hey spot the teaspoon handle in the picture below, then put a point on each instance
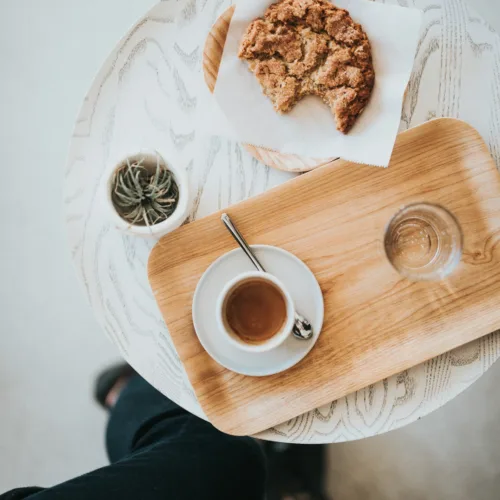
(241, 242)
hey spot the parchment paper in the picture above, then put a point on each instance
(309, 129)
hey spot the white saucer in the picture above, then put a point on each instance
(305, 292)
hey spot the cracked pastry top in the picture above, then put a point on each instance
(311, 47)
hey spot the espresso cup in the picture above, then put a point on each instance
(255, 312)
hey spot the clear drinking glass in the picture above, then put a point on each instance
(423, 242)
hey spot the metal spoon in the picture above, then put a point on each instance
(302, 328)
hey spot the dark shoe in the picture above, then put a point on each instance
(296, 472)
(108, 379)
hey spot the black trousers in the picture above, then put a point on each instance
(158, 451)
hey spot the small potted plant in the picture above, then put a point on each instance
(146, 196)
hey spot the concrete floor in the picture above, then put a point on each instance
(50, 344)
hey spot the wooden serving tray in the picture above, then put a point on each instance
(376, 322)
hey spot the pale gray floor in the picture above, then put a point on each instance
(50, 345)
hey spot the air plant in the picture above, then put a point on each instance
(142, 194)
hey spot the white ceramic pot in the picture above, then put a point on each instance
(157, 230)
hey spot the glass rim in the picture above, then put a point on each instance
(456, 254)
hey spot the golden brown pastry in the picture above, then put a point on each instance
(304, 47)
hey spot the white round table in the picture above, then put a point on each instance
(456, 74)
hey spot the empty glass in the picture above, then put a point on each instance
(423, 242)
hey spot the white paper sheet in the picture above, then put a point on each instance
(309, 129)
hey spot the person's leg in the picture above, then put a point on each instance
(138, 410)
(160, 452)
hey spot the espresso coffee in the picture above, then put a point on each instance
(255, 311)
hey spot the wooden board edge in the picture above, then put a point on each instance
(437, 123)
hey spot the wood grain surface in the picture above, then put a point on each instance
(376, 322)
(212, 56)
(214, 47)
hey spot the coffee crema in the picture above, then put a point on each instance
(255, 311)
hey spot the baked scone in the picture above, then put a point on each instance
(311, 47)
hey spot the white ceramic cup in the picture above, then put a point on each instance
(180, 213)
(276, 339)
